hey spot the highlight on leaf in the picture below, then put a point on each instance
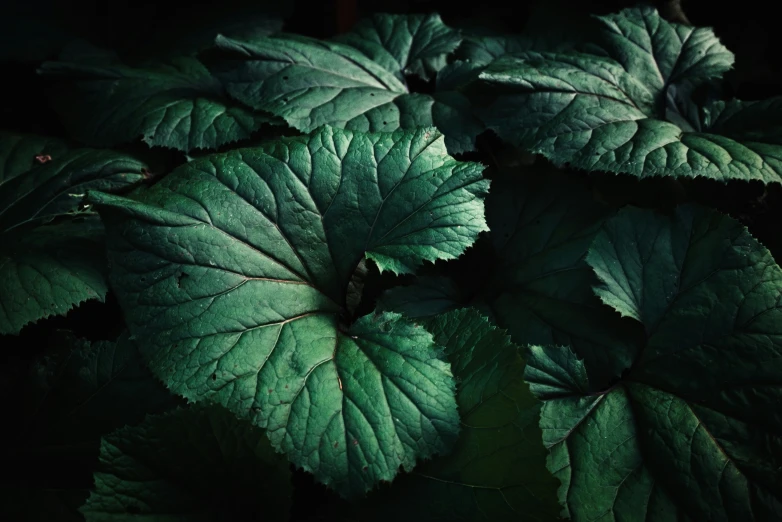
(269, 239)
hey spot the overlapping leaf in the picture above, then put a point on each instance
(692, 430)
(535, 283)
(497, 468)
(404, 44)
(48, 267)
(600, 114)
(234, 271)
(56, 415)
(310, 83)
(195, 464)
(176, 105)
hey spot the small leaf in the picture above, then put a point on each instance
(48, 267)
(177, 105)
(496, 471)
(269, 239)
(194, 464)
(404, 44)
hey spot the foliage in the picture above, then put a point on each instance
(343, 275)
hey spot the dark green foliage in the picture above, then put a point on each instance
(411, 272)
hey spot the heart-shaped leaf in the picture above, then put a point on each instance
(234, 272)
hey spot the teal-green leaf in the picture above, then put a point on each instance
(234, 271)
(659, 53)
(310, 83)
(415, 44)
(195, 464)
(496, 471)
(589, 112)
(534, 282)
(177, 105)
(48, 266)
(58, 410)
(692, 428)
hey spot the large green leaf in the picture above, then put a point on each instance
(692, 430)
(196, 464)
(56, 414)
(310, 83)
(176, 105)
(48, 267)
(600, 114)
(535, 282)
(414, 44)
(587, 111)
(234, 270)
(496, 471)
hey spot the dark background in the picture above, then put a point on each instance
(748, 28)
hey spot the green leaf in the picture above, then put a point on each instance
(177, 105)
(658, 53)
(692, 428)
(416, 44)
(497, 468)
(310, 83)
(46, 266)
(234, 271)
(195, 464)
(619, 112)
(57, 412)
(49, 270)
(587, 111)
(483, 49)
(535, 282)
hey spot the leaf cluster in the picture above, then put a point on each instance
(440, 305)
